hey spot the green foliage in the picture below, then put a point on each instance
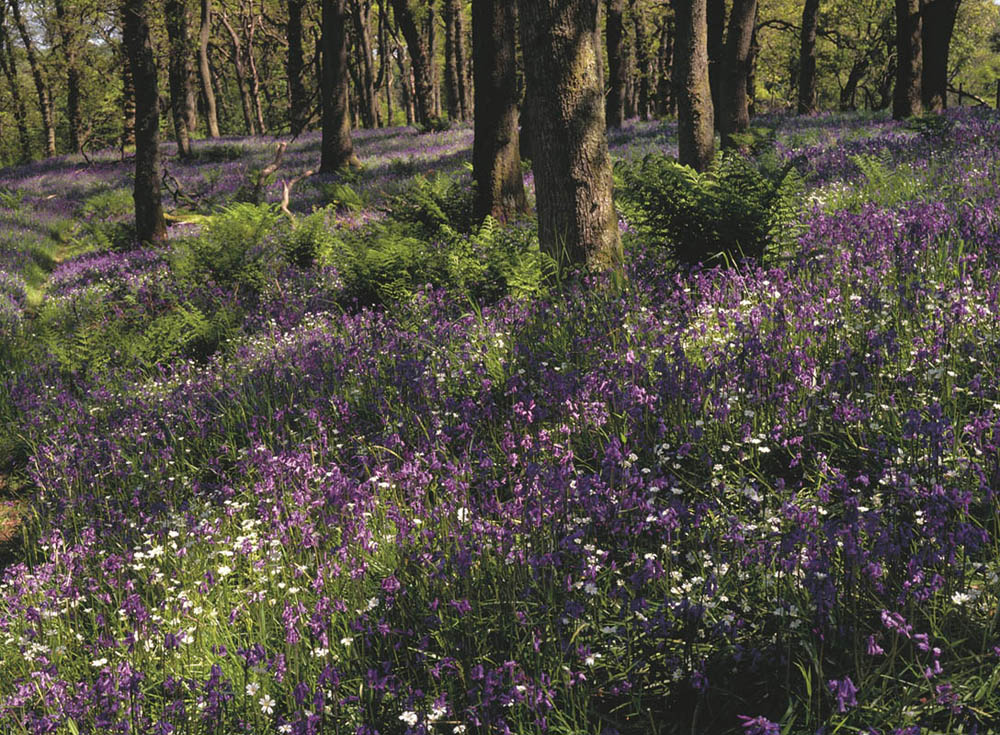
(219, 153)
(882, 183)
(232, 249)
(436, 124)
(340, 195)
(11, 198)
(104, 222)
(735, 210)
(432, 204)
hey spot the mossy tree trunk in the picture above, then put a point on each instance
(576, 217)
(695, 115)
(69, 38)
(496, 161)
(178, 24)
(149, 224)
(734, 116)
(337, 149)
(906, 99)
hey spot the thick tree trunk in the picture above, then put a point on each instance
(642, 60)
(453, 93)
(294, 64)
(716, 21)
(423, 97)
(807, 58)
(179, 70)
(615, 104)
(938, 24)
(363, 43)
(68, 37)
(205, 70)
(149, 223)
(576, 217)
(41, 86)
(695, 115)
(337, 148)
(9, 65)
(735, 115)
(496, 161)
(906, 100)
(664, 68)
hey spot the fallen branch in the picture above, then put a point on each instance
(286, 193)
(176, 191)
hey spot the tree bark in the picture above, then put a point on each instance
(128, 102)
(68, 38)
(664, 67)
(241, 76)
(938, 19)
(337, 149)
(179, 70)
(363, 43)
(576, 217)
(642, 60)
(9, 66)
(615, 104)
(807, 58)
(735, 116)
(716, 20)
(41, 86)
(850, 90)
(453, 94)
(149, 224)
(906, 100)
(462, 62)
(430, 31)
(205, 70)
(294, 65)
(496, 161)
(695, 114)
(423, 97)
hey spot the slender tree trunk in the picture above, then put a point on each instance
(149, 224)
(642, 60)
(406, 87)
(385, 61)
(453, 94)
(249, 22)
(752, 66)
(462, 62)
(241, 76)
(205, 70)
(41, 86)
(294, 64)
(431, 33)
(938, 24)
(906, 100)
(664, 67)
(615, 103)
(68, 36)
(695, 115)
(576, 217)
(337, 148)
(179, 70)
(496, 162)
(807, 58)
(128, 102)
(735, 116)
(850, 90)
(423, 97)
(363, 43)
(716, 20)
(9, 65)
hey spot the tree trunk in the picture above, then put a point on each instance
(664, 66)
(241, 76)
(906, 100)
(453, 94)
(205, 70)
(337, 148)
(294, 65)
(149, 224)
(385, 61)
(938, 24)
(430, 32)
(850, 90)
(807, 58)
(752, 66)
(615, 105)
(9, 65)
(68, 36)
(128, 102)
(735, 116)
(642, 60)
(496, 161)
(363, 44)
(179, 70)
(716, 20)
(41, 86)
(576, 217)
(695, 115)
(462, 62)
(423, 97)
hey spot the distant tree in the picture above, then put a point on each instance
(69, 40)
(906, 100)
(734, 115)
(149, 223)
(807, 57)
(615, 103)
(576, 217)
(38, 76)
(454, 61)
(367, 100)
(298, 111)
(643, 63)
(178, 22)
(496, 163)
(420, 59)
(8, 63)
(337, 149)
(205, 71)
(665, 103)
(938, 24)
(716, 28)
(695, 114)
